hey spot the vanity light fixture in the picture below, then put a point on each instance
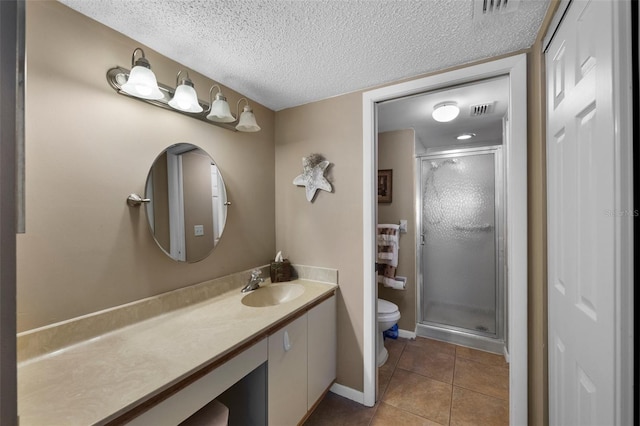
(247, 122)
(142, 81)
(185, 97)
(465, 136)
(219, 110)
(445, 111)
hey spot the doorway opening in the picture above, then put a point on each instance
(515, 215)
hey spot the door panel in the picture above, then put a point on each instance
(460, 264)
(580, 189)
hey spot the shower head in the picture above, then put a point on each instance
(435, 165)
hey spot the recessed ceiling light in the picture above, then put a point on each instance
(445, 111)
(465, 136)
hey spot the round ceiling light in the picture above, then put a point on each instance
(445, 111)
(465, 136)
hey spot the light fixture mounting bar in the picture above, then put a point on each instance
(117, 76)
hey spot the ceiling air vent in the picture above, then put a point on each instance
(485, 8)
(481, 109)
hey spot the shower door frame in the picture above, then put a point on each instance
(450, 333)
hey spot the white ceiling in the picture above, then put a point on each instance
(288, 53)
(415, 112)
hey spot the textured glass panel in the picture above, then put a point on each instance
(459, 254)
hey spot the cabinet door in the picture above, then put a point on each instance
(287, 367)
(322, 349)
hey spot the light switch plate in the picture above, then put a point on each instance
(403, 226)
(198, 230)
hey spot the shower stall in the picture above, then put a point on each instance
(461, 277)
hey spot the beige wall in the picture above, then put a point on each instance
(327, 232)
(396, 152)
(88, 148)
(537, 197)
(333, 127)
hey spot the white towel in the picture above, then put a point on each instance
(388, 243)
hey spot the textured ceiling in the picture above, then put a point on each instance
(287, 53)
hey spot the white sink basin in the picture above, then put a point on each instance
(273, 294)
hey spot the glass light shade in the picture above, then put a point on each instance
(220, 111)
(247, 121)
(466, 136)
(185, 99)
(142, 83)
(445, 112)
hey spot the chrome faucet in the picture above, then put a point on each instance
(254, 281)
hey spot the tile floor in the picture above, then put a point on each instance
(427, 382)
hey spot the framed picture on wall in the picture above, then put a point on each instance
(385, 185)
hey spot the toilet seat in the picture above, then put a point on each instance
(387, 311)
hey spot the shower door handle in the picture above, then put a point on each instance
(421, 239)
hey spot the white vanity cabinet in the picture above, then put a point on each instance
(287, 373)
(322, 349)
(301, 364)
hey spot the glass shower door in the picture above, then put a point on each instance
(459, 256)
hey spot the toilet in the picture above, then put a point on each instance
(388, 316)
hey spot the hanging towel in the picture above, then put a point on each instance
(387, 238)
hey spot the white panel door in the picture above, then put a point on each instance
(580, 192)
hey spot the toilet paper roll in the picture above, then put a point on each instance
(399, 283)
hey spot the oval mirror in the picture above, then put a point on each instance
(188, 207)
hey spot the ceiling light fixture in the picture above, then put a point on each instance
(219, 110)
(465, 136)
(445, 111)
(142, 81)
(247, 122)
(185, 97)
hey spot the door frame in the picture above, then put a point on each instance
(515, 152)
(454, 334)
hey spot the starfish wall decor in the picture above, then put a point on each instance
(312, 177)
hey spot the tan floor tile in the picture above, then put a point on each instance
(335, 410)
(389, 415)
(384, 377)
(469, 408)
(483, 378)
(410, 395)
(395, 347)
(433, 345)
(419, 395)
(428, 362)
(481, 356)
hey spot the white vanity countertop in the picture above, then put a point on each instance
(95, 381)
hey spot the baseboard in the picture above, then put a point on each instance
(348, 393)
(406, 334)
(506, 354)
